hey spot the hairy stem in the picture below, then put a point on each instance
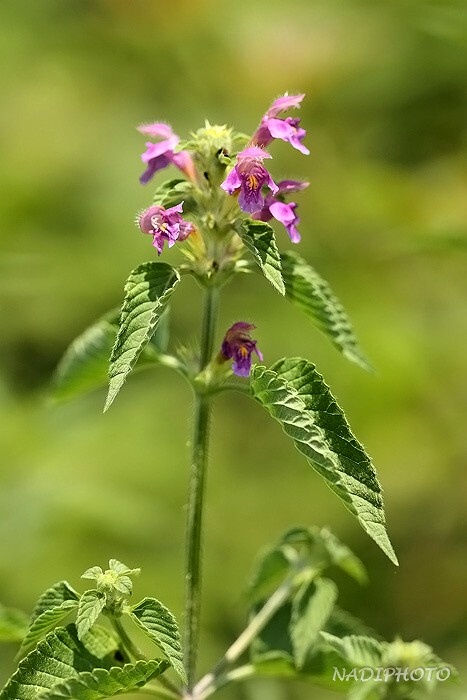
(196, 493)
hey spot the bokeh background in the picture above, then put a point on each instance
(384, 220)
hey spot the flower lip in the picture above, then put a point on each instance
(253, 152)
(156, 129)
(281, 104)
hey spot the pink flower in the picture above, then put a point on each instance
(250, 176)
(160, 155)
(239, 346)
(165, 225)
(287, 129)
(275, 207)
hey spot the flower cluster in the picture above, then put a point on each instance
(249, 176)
(258, 196)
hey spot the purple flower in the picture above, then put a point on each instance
(160, 155)
(239, 346)
(164, 225)
(283, 212)
(249, 176)
(287, 129)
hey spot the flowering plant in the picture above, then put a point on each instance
(218, 214)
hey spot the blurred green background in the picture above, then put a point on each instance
(384, 220)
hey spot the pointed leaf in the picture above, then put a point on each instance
(270, 569)
(259, 238)
(95, 572)
(310, 612)
(91, 604)
(102, 683)
(58, 657)
(356, 650)
(147, 291)
(158, 623)
(53, 597)
(13, 624)
(296, 395)
(310, 292)
(45, 622)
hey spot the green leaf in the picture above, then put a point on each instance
(356, 650)
(259, 238)
(310, 612)
(91, 604)
(45, 622)
(85, 364)
(147, 291)
(54, 597)
(311, 293)
(343, 624)
(270, 569)
(172, 192)
(158, 623)
(102, 683)
(101, 642)
(296, 395)
(58, 657)
(13, 624)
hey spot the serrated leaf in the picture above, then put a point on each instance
(102, 683)
(313, 295)
(147, 291)
(259, 238)
(45, 622)
(295, 394)
(91, 604)
(158, 623)
(310, 612)
(356, 650)
(13, 624)
(53, 597)
(341, 623)
(270, 568)
(58, 657)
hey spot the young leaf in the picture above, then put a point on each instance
(45, 622)
(91, 604)
(58, 657)
(101, 642)
(13, 624)
(356, 650)
(296, 395)
(158, 623)
(53, 597)
(259, 238)
(103, 683)
(147, 291)
(311, 293)
(310, 612)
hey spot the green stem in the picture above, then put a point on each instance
(214, 680)
(196, 493)
(132, 650)
(127, 643)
